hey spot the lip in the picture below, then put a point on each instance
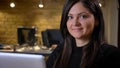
(77, 29)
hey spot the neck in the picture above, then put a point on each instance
(80, 43)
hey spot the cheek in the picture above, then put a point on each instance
(91, 22)
(89, 25)
(68, 25)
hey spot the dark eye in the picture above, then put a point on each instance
(83, 16)
(70, 17)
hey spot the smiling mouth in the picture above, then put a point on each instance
(78, 29)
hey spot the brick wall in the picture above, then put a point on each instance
(11, 18)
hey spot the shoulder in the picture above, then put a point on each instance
(54, 55)
(110, 56)
(57, 50)
(109, 49)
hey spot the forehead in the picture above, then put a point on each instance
(78, 8)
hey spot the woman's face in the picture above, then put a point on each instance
(81, 21)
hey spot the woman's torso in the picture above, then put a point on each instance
(108, 56)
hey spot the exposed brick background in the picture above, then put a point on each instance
(27, 14)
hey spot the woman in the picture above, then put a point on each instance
(82, 27)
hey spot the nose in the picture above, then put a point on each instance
(76, 22)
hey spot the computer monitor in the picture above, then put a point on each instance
(26, 36)
(20, 60)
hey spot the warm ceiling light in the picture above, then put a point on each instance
(100, 4)
(41, 5)
(12, 4)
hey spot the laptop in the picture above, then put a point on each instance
(20, 60)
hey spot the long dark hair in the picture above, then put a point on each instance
(97, 37)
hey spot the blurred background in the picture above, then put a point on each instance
(46, 14)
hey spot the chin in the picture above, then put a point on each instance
(77, 37)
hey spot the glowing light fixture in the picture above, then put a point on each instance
(41, 4)
(12, 4)
(100, 4)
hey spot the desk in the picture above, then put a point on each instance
(30, 50)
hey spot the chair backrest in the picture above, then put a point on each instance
(51, 36)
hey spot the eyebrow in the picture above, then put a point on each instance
(80, 13)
